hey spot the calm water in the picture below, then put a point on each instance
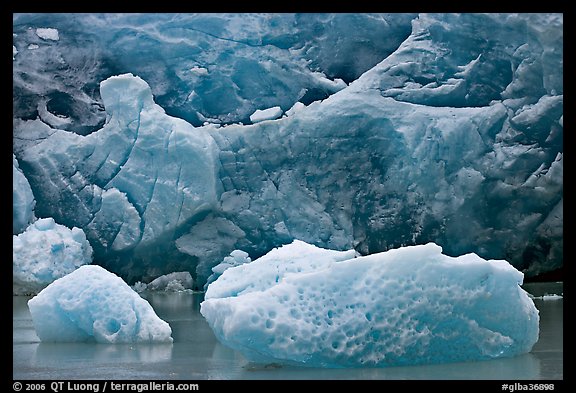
(196, 354)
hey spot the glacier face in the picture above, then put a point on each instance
(201, 67)
(454, 137)
(23, 202)
(308, 306)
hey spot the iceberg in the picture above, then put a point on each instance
(93, 305)
(176, 281)
(45, 252)
(308, 306)
(236, 258)
(444, 128)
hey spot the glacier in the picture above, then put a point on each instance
(444, 128)
(91, 304)
(44, 252)
(303, 305)
(202, 67)
(23, 201)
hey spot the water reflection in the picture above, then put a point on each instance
(57, 353)
(522, 367)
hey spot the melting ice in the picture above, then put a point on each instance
(308, 306)
(92, 304)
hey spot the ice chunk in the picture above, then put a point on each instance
(199, 71)
(92, 304)
(297, 107)
(45, 252)
(139, 286)
(411, 305)
(327, 84)
(236, 258)
(176, 281)
(548, 297)
(48, 33)
(297, 257)
(266, 114)
(22, 199)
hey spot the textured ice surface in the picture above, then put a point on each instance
(298, 257)
(177, 281)
(266, 114)
(214, 67)
(22, 200)
(137, 181)
(236, 258)
(92, 304)
(454, 135)
(47, 33)
(45, 252)
(414, 305)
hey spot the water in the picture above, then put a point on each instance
(196, 354)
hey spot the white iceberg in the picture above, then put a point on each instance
(172, 282)
(45, 252)
(92, 304)
(413, 305)
(236, 258)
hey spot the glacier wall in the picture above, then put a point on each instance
(23, 201)
(454, 137)
(201, 67)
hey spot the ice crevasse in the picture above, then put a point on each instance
(303, 305)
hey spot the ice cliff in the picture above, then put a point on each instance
(402, 130)
(22, 200)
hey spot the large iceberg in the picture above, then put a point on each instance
(453, 135)
(414, 305)
(45, 252)
(92, 304)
